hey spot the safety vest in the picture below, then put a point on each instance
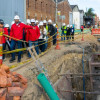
(65, 29)
(47, 28)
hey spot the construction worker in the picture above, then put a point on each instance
(64, 32)
(68, 32)
(72, 32)
(28, 22)
(46, 26)
(17, 33)
(42, 38)
(37, 35)
(7, 41)
(82, 28)
(55, 36)
(51, 32)
(37, 23)
(3, 38)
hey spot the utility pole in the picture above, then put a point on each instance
(56, 15)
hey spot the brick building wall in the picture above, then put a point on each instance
(65, 8)
(40, 9)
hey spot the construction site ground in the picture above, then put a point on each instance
(57, 62)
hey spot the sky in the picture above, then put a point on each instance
(86, 4)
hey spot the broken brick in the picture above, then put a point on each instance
(2, 72)
(3, 81)
(3, 91)
(16, 98)
(24, 86)
(9, 97)
(16, 84)
(9, 75)
(15, 91)
(22, 79)
(14, 73)
(9, 82)
(3, 97)
(15, 79)
(6, 68)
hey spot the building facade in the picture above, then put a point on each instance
(65, 9)
(81, 17)
(76, 16)
(10, 8)
(40, 9)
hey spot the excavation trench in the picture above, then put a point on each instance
(58, 64)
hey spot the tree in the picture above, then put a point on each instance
(90, 12)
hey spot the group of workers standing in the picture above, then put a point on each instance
(67, 32)
(40, 34)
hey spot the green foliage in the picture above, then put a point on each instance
(90, 12)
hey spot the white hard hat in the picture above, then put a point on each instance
(67, 25)
(28, 21)
(41, 24)
(16, 17)
(36, 21)
(12, 22)
(71, 25)
(32, 20)
(44, 21)
(49, 21)
(63, 24)
(54, 25)
(7, 25)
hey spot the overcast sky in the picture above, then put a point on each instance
(83, 4)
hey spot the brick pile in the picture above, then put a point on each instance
(12, 84)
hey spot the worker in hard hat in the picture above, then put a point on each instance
(28, 22)
(64, 32)
(4, 38)
(17, 33)
(46, 26)
(68, 35)
(42, 38)
(8, 28)
(37, 23)
(55, 36)
(51, 32)
(7, 40)
(72, 32)
(34, 35)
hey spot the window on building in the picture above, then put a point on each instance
(41, 6)
(35, 4)
(46, 8)
(28, 3)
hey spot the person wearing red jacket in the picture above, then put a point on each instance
(3, 38)
(33, 36)
(17, 33)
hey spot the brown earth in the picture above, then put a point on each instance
(58, 62)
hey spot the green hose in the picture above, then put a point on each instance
(47, 87)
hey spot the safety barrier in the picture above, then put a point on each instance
(23, 49)
(95, 32)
